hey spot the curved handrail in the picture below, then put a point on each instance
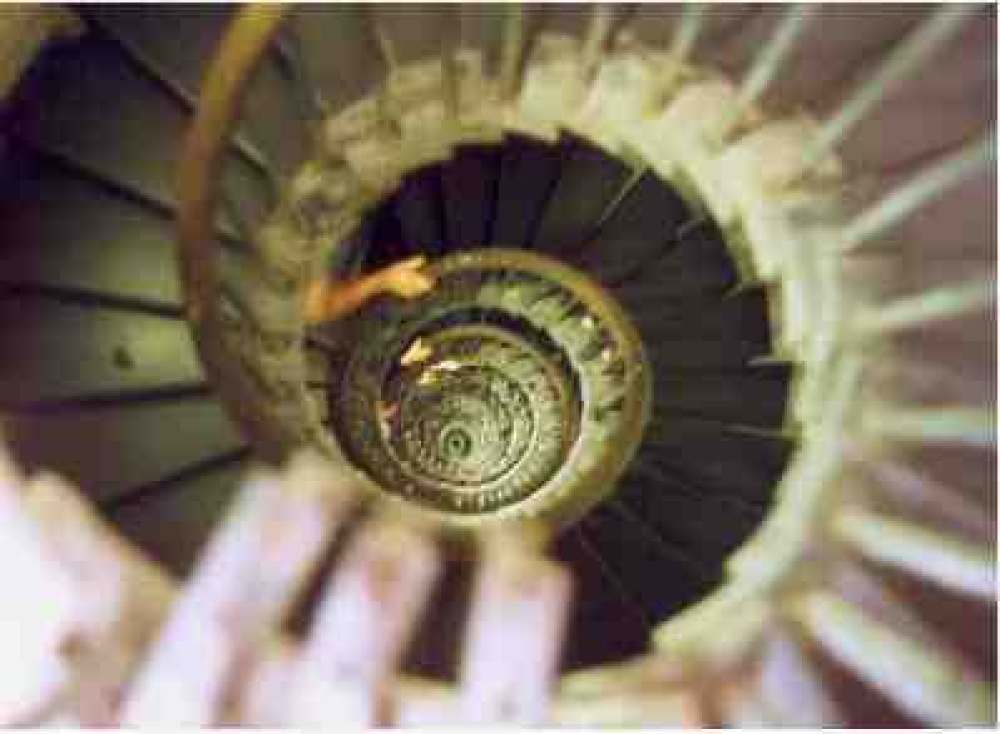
(200, 169)
(220, 101)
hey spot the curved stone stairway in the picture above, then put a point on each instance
(100, 380)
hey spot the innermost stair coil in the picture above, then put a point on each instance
(517, 378)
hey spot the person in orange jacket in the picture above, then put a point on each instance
(327, 299)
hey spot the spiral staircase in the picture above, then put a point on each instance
(709, 307)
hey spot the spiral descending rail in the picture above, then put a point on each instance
(736, 378)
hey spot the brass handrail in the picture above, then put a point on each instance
(200, 170)
(219, 105)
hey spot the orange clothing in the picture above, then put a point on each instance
(326, 300)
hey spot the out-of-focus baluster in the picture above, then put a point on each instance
(932, 182)
(768, 62)
(515, 635)
(946, 561)
(919, 680)
(903, 61)
(248, 576)
(121, 600)
(944, 424)
(515, 38)
(39, 610)
(364, 623)
(931, 306)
